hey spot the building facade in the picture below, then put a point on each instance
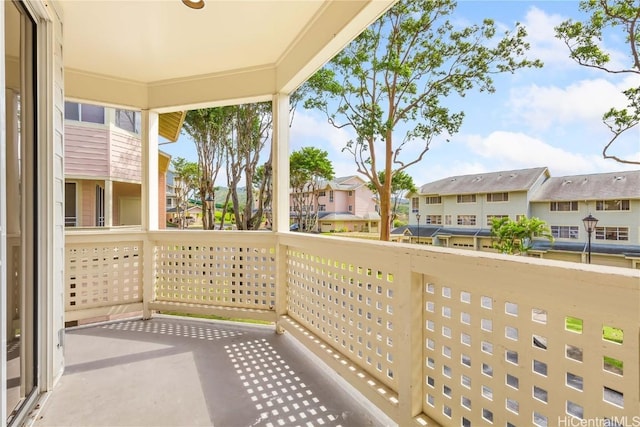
(457, 212)
(103, 169)
(343, 204)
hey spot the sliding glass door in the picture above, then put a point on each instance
(21, 207)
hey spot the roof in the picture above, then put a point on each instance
(343, 183)
(596, 248)
(492, 182)
(601, 186)
(431, 231)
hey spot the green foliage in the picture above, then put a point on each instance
(516, 237)
(583, 40)
(401, 183)
(396, 78)
(308, 167)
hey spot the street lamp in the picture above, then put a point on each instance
(418, 219)
(589, 225)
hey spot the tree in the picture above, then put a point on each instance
(185, 180)
(308, 168)
(395, 79)
(401, 183)
(250, 130)
(516, 237)
(582, 40)
(209, 129)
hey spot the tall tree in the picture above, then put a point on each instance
(401, 184)
(395, 77)
(250, 130)
(308, 168)
(516, 237)
(622, 17)
(209, 128)
(185, 182)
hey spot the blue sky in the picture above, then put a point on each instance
(538, 117)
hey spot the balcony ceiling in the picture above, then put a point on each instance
(154, 53)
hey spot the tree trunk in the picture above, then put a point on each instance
(385, 216)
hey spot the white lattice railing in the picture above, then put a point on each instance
(430, 335)
(103, 273)
(230, 274)
(465, 338)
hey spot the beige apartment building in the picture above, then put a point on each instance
(457, 212)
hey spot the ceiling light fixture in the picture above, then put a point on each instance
(194, 4)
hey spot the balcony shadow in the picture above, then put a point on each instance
(182, 372)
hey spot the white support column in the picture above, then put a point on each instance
(280, 203)
(149, 203)
(280, 158)
(108, 203)
(149, 170)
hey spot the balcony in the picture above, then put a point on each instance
(430, 336)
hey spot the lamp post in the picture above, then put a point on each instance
(208, 202)
(589, 225)
(418, 219)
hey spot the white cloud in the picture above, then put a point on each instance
(585, 101)
(508, 150)
(541, 35)
(310, 127)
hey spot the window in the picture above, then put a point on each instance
(612, 233)
(321, 193)
(350, 208)
(170, 202)
(466, 220)
(433, 200)
(331, 196)
(612, 205)
(350, 193)
(564, 231)
(415, 204)
(128, 120)
(70, 215)
(84, 112)
(322, 208)
(498, 197)
(490, 218)
(564, 206)
(433, 219)
(466, 198)
(447, 220)
(520, 217)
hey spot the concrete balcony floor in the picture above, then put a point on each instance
(171, 371)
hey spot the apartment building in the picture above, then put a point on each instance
(457, 212)
(344, 204)
(103, 169)
(612, 198)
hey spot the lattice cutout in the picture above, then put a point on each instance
(477, 345)
(226, 276)
(350, 306)
(103, 275)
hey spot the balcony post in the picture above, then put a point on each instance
(280, 202)
(149, 139)
(280, 162)
(409, 338)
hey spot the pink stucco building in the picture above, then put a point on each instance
(346, 204)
